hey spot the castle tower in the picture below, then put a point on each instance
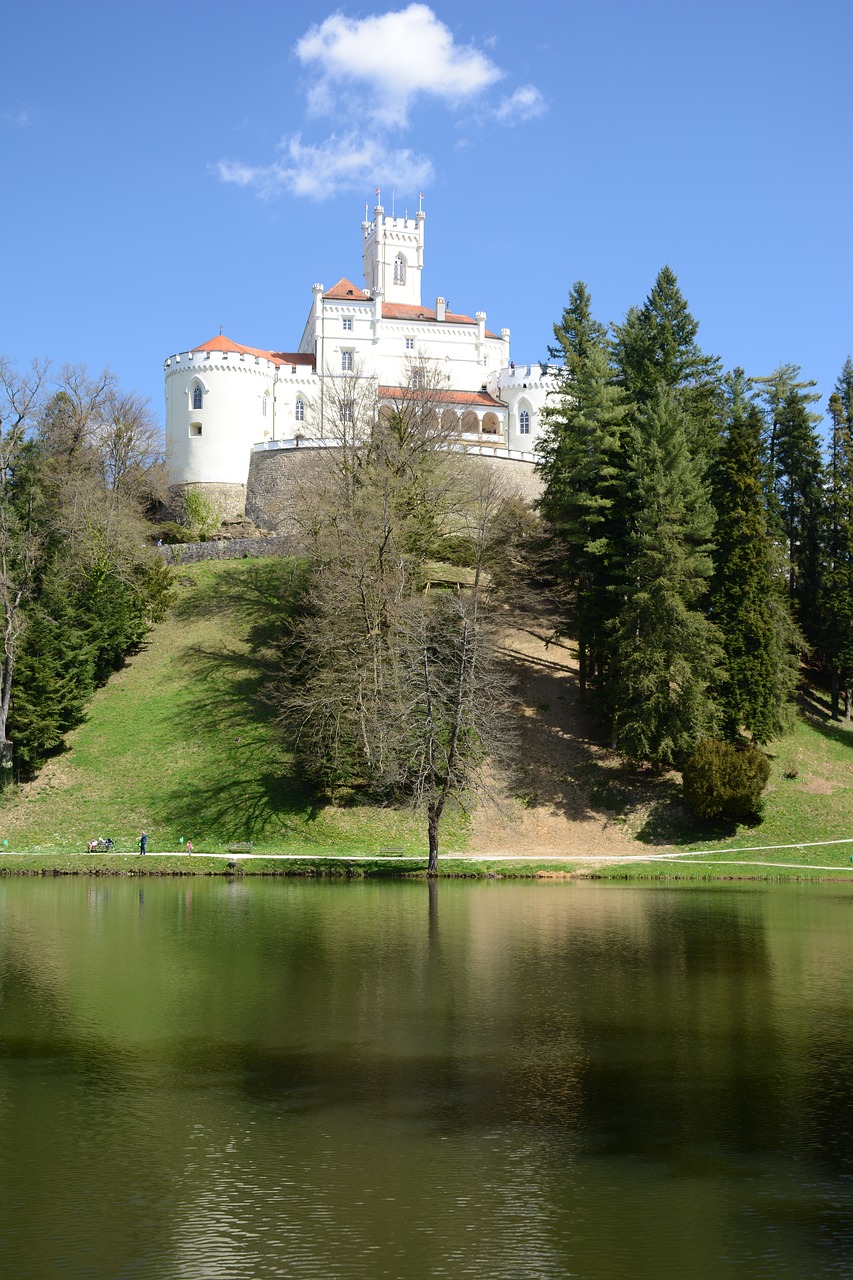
(394, 256)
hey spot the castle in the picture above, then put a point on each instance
(226, 403)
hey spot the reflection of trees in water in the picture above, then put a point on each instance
(518, 1052)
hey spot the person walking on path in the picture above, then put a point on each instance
(143, 843)
(189, 846)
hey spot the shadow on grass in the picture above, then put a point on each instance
(814, 707)
(563, 762)
(229, 709)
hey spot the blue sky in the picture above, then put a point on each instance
(172, 168)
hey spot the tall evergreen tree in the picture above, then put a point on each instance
(748, 602)
(666, 652)
(836, 588)
(656, 345)
(582, 470)
(795, 475)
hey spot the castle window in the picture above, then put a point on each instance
(346, 412)
(417, 379)
(348, 323)
(524, 423)
(399, 269)
(197, 394)
(347, 361)
(195, 428)
(410, 344)
(299, 414)
(264, 399)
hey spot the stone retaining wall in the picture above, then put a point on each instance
(224, 549)
(277, 476)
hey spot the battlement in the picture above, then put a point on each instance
(240, 360)
(522, 376)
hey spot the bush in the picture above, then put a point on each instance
(721, 782)
(200, 515)
(173, 534)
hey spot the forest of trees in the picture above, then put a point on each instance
(700, 542)
(704, 545)
(80, 466)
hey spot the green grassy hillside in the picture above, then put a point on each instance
(182, 743)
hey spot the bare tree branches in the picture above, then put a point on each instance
(392, 684)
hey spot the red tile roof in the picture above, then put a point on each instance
(406, 311)
(221, 343)
(345, 290)
(444, 397)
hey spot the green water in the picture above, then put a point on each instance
(247, 1080)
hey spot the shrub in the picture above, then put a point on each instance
(721, 782)
(200, 515)
(171, 533)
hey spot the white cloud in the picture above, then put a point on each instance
(369, 72)
(396, 57)
(339, 164)
(21, 116)
(525, 104)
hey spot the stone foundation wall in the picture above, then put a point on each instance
(229, 500)
(224, 549)
(277, 476)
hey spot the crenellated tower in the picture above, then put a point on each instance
(394, 256)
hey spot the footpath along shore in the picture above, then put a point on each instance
(724, 861)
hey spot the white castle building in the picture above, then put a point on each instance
(225, 400)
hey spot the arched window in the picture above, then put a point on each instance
(418, 379)
(299, 414)
(264, 399)
(399, 269)
(197, 394)
(524, 423)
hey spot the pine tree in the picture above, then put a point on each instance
(656, 345)
(748, 603)
(795, 473)
(582, 470)
(836, 588)
(666, 651)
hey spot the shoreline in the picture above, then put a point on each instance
(698, 866)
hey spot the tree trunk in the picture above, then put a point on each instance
(5, 761)
(835, 691)
(433, 818)
(847, 707)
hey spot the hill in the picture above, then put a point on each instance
(182, 742)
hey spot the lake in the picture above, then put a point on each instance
(253, 1079)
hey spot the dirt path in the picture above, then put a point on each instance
(548, 801)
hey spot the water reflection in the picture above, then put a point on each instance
(322, 1080)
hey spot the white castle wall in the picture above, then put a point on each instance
(245, 399)
(248, 399)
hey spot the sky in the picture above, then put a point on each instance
(172, 169)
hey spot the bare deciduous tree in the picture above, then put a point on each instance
(393, 684)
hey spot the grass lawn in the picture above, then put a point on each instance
(181, 742)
